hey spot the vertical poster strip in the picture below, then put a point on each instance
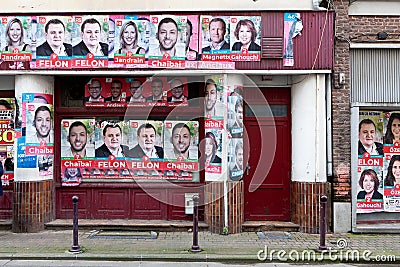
(391, 171)
(181, 140)
(192, 41)
(235, 156)
(167, 46)
(293, 26)
(213, 152)
(90, 41)
(370, 162)
(77, 150)
(245, 36)
(39, 135)
(17, 42)
(7, 122)
(129, 42)
(53, 42)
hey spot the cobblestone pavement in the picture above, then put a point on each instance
(243, 247)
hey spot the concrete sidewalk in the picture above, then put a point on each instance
(174, 246)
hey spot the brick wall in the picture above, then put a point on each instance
(354, 29)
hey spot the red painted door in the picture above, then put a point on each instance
(267, 147)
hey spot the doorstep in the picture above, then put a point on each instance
(256, 226)
(122, 224)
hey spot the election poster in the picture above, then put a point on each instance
(293, 26)
(7, 151)
(215, 38)
(90, 41)
(213, 151)
(54, 42)
(167, 48)
(18, 38)
(106, 92)
(369, 186)
(130, 42)
(245, 37)
(181, 149)
(235, 156)
(215, 99)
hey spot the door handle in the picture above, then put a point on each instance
(247, 169)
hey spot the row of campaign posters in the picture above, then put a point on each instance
(130, 41)
(129, 150)
(378, 184)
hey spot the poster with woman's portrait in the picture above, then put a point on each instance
(129, 42)
(235, 159)
(245, 37)
(391, 128)
(18, 38)
(54, 42)
(391, 180)
(17, 42)
(369, 188)
(192, 37)
(213, 150)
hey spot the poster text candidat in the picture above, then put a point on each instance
(369, 189)
(53, 42)
(17, 38)
(90, 41)
(130, 42)
(181, 148)
(167, 48)
(245, 38)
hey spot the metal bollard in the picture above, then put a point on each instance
(195, 247)
(322, 224)
(75, 246)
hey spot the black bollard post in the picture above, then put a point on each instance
(322, 224)
(195, 247)
(75, 246)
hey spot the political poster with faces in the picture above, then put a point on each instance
(7, 150)
(213, 152)
(215, 98)
(235, 156)
(369, 186)
(391, 178)
(106, 92)
(90, 41)
(54, 42)
(167, 48)
(178, 91)
(18, 38)
(245, 38)
(214, 38)
(192, 38)
(77, 150)
(181, 148)
(130, 42)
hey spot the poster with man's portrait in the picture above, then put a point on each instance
(146, 139)
(169, 41)
(235, 115)
(39, 124)
(77, 138)
(215, 38)
(178, 91)
(214, 97)
(90, 41)
(111, 139)
(235, 156)
(370, 134)
(181, 140)
(54, 42)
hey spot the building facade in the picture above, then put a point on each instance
(365, 94)
(245, 125)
